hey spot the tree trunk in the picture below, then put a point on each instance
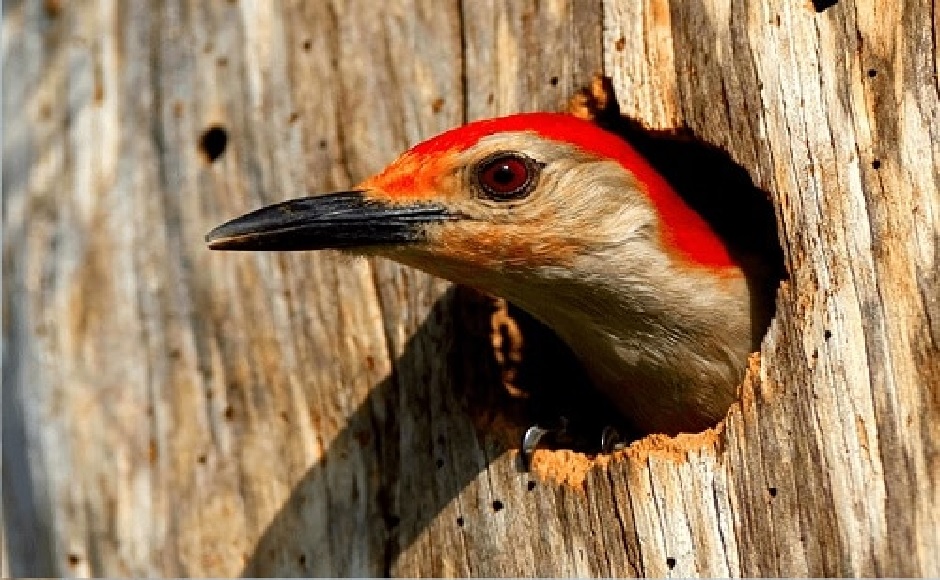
(172, 411)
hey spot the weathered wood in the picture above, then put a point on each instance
(172, 411)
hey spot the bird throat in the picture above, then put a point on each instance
(668, 350)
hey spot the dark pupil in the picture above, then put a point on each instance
(503, 174)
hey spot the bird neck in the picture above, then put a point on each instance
(665, 341)
(652, 345)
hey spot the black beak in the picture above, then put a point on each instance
(346, 219)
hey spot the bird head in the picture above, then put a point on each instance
(526, 195)
(556, 214)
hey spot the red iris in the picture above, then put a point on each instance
(505, 176)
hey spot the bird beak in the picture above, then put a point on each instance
(346, 219)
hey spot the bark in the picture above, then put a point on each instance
(173, 411)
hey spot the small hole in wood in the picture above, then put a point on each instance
(530, 486)
(821, 5)
(827, 334)
(53, 8)
(670, 563)
(308, 44)
(772, 491)
(213, 141)
(460, 522)
(872, 73)
(99, 93)
(553, 81)
(876, 164)
(201, 459)
(497, 505)
(74, 559)
(302, 560)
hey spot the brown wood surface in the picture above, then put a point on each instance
(173, 411)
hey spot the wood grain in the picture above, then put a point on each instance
(172, 411)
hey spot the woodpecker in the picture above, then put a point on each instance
(570, 223)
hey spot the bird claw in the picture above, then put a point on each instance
(611, 440)
(534, 435)
(530, 442)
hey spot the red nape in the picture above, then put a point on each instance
(684, 229)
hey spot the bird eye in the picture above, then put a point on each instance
(507, 175)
